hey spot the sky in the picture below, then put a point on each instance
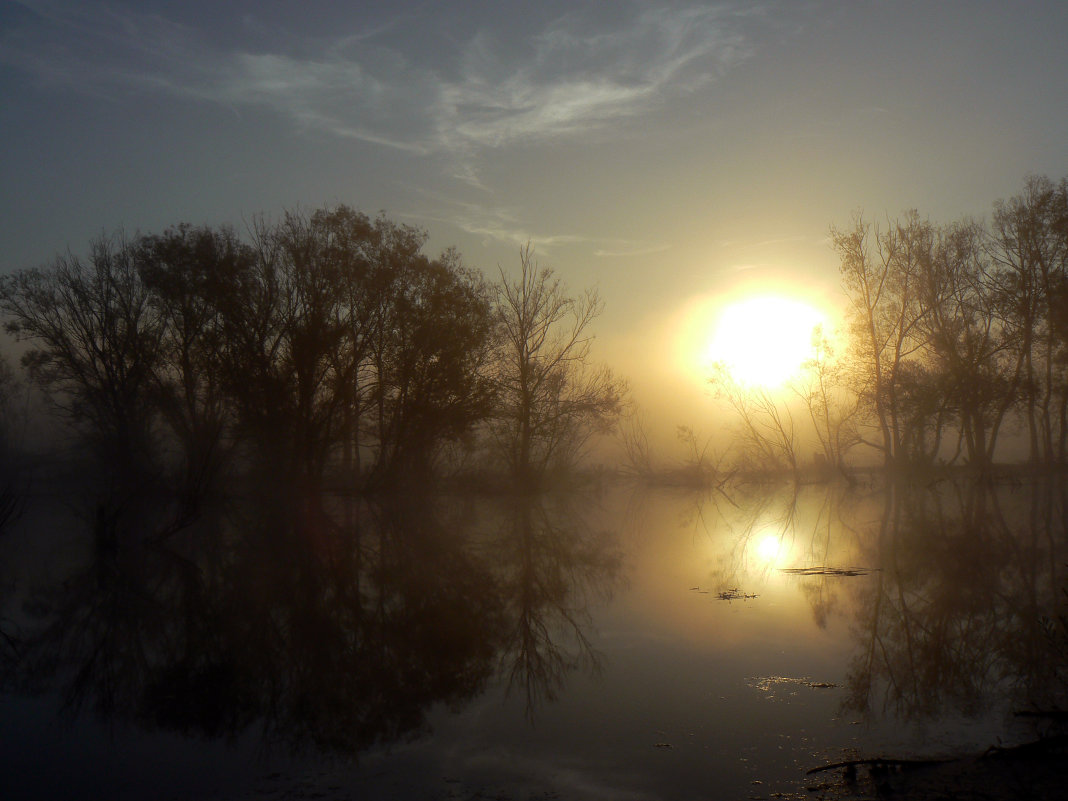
(670, 154)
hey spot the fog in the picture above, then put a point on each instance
(631, 401)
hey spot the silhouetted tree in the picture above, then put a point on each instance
(768, 438)
(185, 269)
(334, 334)
(927, 412)
(551, 398)
(832, 407)
(13, 478)
(95, 345)
(431, 385)
(965, 338)
(328, 339)
(882, 271)
(634, 439)
(1030, 246)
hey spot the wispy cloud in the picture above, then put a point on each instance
(578, 74)
(623, 247)
(503, 224)
(762, 243)
(493, 222)
(399, 82)
(580, 77)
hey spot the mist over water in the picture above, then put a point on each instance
(687, 418)
(320, 518)
(624, 643)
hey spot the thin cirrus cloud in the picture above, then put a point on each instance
(493, 222)
(505, 225)
(488, 90)
(445, 88)
(576, 78)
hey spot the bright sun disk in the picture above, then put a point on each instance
(763, 340)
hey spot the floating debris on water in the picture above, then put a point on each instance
(734, 594)
(822, 570)
(767, 683)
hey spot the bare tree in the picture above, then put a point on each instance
(341, 336)
(768, 436)
(13, 480)
(634, 439)
(881, 273)
(96, 341)
(183, 269)
(832, 406)
(1030, 249)
(965, 339)
(551, 397)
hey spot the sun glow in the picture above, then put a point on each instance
(768, 548)
(762, 340)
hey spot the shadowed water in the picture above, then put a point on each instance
(624, 645)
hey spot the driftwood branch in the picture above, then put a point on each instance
(1042, 745)
(879, 762)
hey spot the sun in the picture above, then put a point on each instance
(763, 340)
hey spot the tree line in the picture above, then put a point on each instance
(959, 332)
(956, 335)
(329, 343)
(324, 342)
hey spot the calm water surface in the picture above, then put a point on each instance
(628, 645)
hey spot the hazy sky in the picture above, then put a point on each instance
(663, 152)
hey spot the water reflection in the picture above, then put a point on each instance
(773, 529)
(330, 624)
(954, 591)
(965, 609)
(553, 565)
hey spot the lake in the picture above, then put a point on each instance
(624, 643)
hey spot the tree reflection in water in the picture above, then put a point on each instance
(552, 566)
(334, 625)
(964, 611)
(962, 608)
(330, 623)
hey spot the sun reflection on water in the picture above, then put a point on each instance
(767, 549)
